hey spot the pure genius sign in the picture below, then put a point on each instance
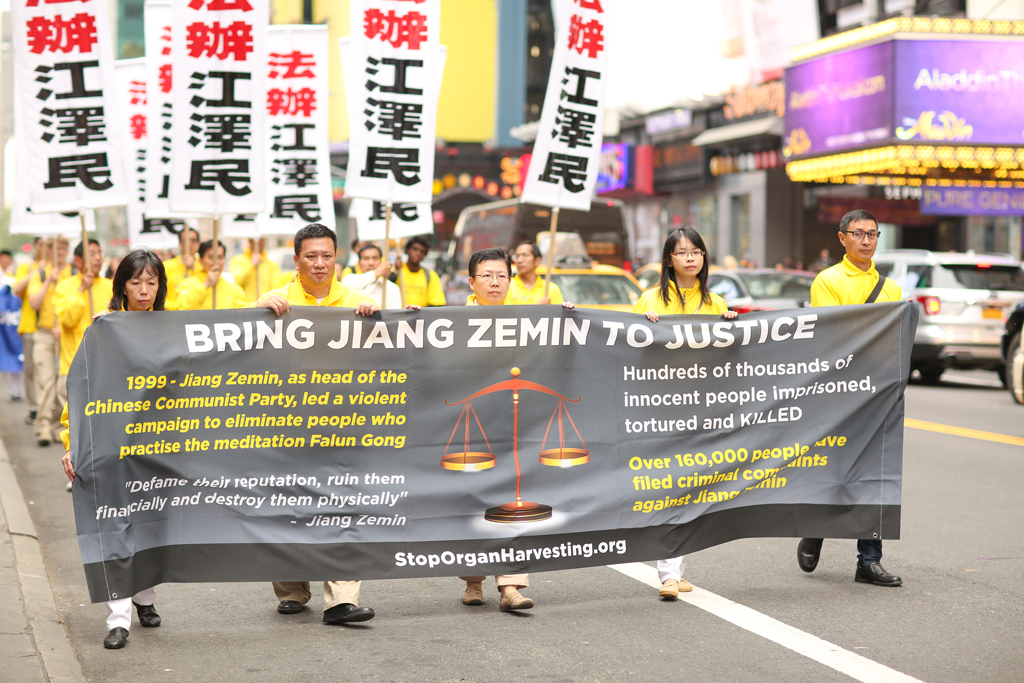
(320, 445)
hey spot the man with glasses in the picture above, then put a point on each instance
(526, 287)
(854, 281)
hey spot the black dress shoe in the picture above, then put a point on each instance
(290, 607)
(347, 613)
(875, 573)
(147, 615)
(807, 553)
(116, 639)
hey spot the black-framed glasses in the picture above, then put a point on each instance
(858, 235)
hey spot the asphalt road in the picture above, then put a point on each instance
(958, 617)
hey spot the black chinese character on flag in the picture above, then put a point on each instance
(231, 174)
(298, 172)
(570, 170)
(401, 70)
(574, 128)
(405, 212)
(582, 76)
(91, 169)
(223, 132)
(299, 143)
(80, 125)
(305, 206)
(227, 90)
(158, 225)
(404, 164)
(400, 120)
(77, 73)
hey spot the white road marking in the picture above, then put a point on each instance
(853, 665)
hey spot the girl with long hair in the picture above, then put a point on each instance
(682, 289)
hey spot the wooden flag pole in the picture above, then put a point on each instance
(85, 256)
(257, 267)
(401, 277)
(216, 254)
(551, 251)
(385, 251)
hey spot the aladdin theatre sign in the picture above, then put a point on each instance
(892, 107)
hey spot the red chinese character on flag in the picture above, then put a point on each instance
(295, 64)
(35, 3)
(165, 78)
(221, 5)
(586, 37)
(291, 102)
(58, 35)
(234, 40)
(138, 126)
(590, 4)
(166, 36)
(137, 90)
(410, 28)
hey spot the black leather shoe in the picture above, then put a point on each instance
(807, 553)
(347, 613)
(875, 573)
(116, 639)
(289, 607)
(147, 615)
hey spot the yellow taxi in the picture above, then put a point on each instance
(592, 285)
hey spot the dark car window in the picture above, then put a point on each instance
(778, 285)
(919, 276)
(884, 268)
(597, 289)
(724, 286)
(978, 276)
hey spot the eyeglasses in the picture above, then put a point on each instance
(872, 235)
(487, 277)
(696, 253)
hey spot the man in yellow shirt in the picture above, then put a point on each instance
(851, 282)
(526, 287)
(182, 266)
(41, 285)
(420, 285)
(253, 271)
(196, 293)
(75, 301)
(316, 285)
(27, 326)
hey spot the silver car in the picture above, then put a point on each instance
(762, 289)
(964, 300)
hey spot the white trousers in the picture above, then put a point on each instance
(672, 568)
(121, 610)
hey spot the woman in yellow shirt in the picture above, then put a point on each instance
(140, 284)
(683, 289)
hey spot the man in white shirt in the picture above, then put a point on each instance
(373, 278)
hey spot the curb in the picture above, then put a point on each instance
(58, 661)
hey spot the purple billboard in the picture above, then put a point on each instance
(841, 101)
(950, 91)
(918, 91)
(971, 201)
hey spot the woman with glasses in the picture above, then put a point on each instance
(683, 289)
(140, 284)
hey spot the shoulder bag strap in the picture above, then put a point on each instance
(877, 290)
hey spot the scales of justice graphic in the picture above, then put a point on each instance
(469, 460)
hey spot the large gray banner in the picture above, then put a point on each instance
(237, 446)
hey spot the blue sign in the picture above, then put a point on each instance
(614, 172)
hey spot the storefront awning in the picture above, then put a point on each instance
(771, 125)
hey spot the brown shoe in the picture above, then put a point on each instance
(474, 594)
(669, 589)
(685, 586)
(514, 601)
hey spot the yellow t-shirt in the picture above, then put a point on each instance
(518, 293)
(652, 301)
(73, 314)
(245, 273)
(844, 284)
(176, 273)
(46, 318)
(339, 295)
(28, 315)
(422, 288)
(194, 295)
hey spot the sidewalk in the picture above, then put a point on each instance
(33, 643)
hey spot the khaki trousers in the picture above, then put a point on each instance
(335, 592)
(517, 580)
(28, 373)
(44, 357)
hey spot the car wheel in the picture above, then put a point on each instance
(1014, 369)
(930, 374)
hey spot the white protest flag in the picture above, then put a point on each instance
(219, 56)
(394, 59)
(563, 168)
(298, 158)
(406, 219)
(63, 70)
